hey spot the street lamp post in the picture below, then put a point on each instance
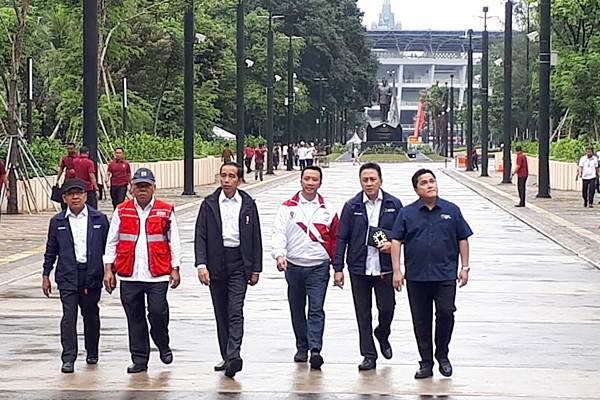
(446, 120)
(188, 112)
(290, 97)
(125, 105)
(506, 176)
(29, 100)
(90, 77)
(451, 116)
(270, 89)
(470, 102)
(240, 57)
(320, 113)
(544, 114)
(484, 97)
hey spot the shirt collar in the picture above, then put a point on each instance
(148, 207)
(305, 201)
(365, 198)
(421, 204)
(236, 197)
(83, 213)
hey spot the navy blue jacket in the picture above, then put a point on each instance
(60, 245)
(352, 233)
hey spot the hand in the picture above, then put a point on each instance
(463, 278)
(282, 264)
(338, 279)
(175, 279)
(398, 281)
(204, 276)
(385, 248)
(46, 286)
(253, 279)
(110, 282)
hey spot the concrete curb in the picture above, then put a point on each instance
(538, 210)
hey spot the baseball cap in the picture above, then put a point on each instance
(143, 175)
(73, 185)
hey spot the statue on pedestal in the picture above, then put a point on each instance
(385, 99)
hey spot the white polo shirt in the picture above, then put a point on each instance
(588, 167)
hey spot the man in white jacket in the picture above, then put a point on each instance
(304, 239)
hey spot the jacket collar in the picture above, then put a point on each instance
(92, 213)
(358, 199)
(295, 200)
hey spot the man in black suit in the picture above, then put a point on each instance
(77, 237)
(229, 258)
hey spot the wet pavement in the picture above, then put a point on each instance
(527, 324)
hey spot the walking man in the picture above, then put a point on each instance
(3, 179)
(364, 242)
(434, 233)
(475, 159)
(228, 248)
(588, 171)
(118, 177)
(143, 249)
(76, 237)
(67, 166)
(227, 155)
(522, 172)
(249, 154)
(303, 240)
(86, 171)
(259, 161)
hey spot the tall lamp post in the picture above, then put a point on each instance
(270, 89)
(470, 102)
(188, 111)
(29, 100)
(506, 176)
(544, 114)
(320, 117)
(446, 120)
(240, 57)
(125, 105)
(484, 96)
(90, 77)
(451, 116)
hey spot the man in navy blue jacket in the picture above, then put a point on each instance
(364, 240)
(77, 237)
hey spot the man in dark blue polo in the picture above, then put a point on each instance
(76, 237)
(364, 241)
(434, 233)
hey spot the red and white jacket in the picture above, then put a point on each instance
(305, 231)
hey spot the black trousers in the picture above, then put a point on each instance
(117, 195)
(421, 297)
(92, 199)
(521, 187)
(302, 164)
(248, 162)
(362, 292)
(133, 297)
(228, 293)
(87, 301)
(587, 191)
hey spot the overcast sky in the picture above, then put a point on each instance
(437, 14)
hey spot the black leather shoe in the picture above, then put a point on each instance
(301, 356)
(166, 357)
(367, 364)
(425, 371)
(91, 360)
(316, 361)
(221, 366)
(445, 367)
(385, 346)
(136, 368)
(68, 367)
(233, 367)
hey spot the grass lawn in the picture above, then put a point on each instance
(436, 157)
(400, 157)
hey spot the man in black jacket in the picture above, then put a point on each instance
(229, 258)
(364, 239)
(77, 237)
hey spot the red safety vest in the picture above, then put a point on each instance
(157, 229)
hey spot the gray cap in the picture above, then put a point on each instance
(73, 185)
(143, 175)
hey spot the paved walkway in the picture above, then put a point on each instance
(527, 325)
(561, 218)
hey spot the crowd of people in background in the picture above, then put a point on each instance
(291, 156)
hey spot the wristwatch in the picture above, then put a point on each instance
(467, 268)
(176, 269)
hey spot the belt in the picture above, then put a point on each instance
(81, 265)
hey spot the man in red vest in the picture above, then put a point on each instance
(144, 250)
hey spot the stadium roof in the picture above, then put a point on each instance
(429, 41)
